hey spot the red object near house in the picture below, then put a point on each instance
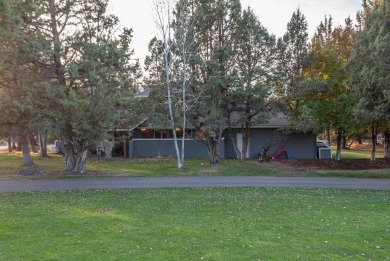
(282, 155)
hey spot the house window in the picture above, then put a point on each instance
(189, 134)
(146, 133)
(162, 134)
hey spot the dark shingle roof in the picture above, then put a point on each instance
(276, 121)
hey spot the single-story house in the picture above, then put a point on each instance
(148, 141)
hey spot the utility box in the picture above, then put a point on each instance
(325, 153)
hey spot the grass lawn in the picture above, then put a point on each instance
(358, 152)
(364, 174)
(11, 164)
(192, 167)
(355, 154)
(196, 224)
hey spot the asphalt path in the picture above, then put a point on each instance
(183, 182)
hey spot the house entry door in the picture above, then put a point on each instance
(240, 145)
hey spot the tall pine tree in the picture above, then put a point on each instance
(214, 30)
(369, 68)
(254, 68)
(292, 61)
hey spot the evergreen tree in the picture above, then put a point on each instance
(154, 66)
(26, 95)
(214, 35)
(254, 68)
(87, 62)
(292, 61)
(369, 71)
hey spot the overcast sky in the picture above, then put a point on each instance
(273, 14)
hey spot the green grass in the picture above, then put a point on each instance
(192, 167)
(368, 174)
(355, 154)
(358, 153)
(196, 224)
(11, 164)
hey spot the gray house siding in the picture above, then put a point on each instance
(301, 146)
(143, 148)
(229, 149)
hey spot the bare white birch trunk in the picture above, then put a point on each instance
(164, 10)
(183, 88)
(171, 118)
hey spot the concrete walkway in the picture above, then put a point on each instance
(196, 182)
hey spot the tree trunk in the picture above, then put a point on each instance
(373, 140)
(81, 161)
(27, 161)
(75, 162)
(69, 156)
(19, 144)
(344, 142)
(58, 66)
(328, 139)
(171, 118)
(33, 143)
(386, 135)
(108, 145)
(183, 140)
(33, 140)
(245, 142)
(213, 146)
(184, 98)
(234, 142)
(124, 148)
(338, 150)
(359, 140)
(42, 135)
(9, 144)
(213, 150)
(13, 139)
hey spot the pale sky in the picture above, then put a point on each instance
(273, 14)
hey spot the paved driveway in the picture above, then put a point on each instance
(196, 182)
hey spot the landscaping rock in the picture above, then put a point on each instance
(31, 171)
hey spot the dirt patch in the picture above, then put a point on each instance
(296, 166)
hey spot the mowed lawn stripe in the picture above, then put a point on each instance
(196, 224)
